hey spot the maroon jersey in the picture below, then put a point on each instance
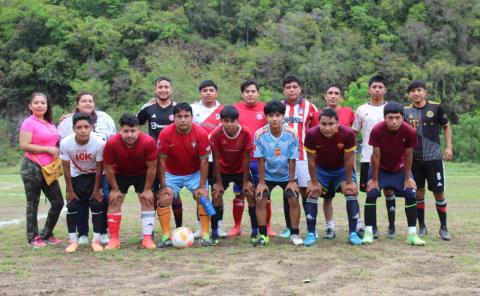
(231, 150)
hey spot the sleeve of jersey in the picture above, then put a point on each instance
(309, 142)
(152, 151)
(142, 116)
(294, 148)
(442, 117)
(63, 151)
(374, 138)
(163, 143)
(258, 152)
(99, 156)
(107, 154)
(204, 146)
(350, 142)
(357, 122)
(213, 141)
(248, 146)
(412, 137)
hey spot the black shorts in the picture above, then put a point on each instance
(273, 184)
(432, 171)
(211, 174)
(237, 179)
(124, 182)
(364, 167)
(83, 187)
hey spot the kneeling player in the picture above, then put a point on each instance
(276, 147)
(330, 149)
(393, 141)
(82, 155)
(130, 158)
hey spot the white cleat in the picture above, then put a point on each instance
(296, 240)
(83, 240)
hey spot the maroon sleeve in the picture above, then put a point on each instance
(163, 142)
(151, 149)
(375, 136)
(214, 139)
(310, 140)
(349, 139)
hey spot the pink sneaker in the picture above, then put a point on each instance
(37, 243)
(54, 241)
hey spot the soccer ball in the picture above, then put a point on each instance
(182, 237)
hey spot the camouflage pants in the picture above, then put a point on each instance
(34, 184)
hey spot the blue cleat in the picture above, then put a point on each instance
(354, 239)
(285, 233)
(310, 239)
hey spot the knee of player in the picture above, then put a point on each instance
(410, 193)
(374, 193)
(350, 196)
(96, 206)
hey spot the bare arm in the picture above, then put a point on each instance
(98, 181)
(110, 173)
(151, 174)
(25, 141)
(447, 130)
(161, 175)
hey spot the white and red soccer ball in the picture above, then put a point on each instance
(182, 237)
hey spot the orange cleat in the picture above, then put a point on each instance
(270, 231)
(72, 247)
(96, 246)
(113, 244)
(148, 243)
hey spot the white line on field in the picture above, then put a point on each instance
(18, 221)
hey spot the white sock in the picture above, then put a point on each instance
(369, 229)
(220, 224)
(72, 237)
(359, 224)
(412, 229)
(330, 224)
(148, 222)
(96, 236)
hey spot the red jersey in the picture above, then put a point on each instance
(251, 118)
(231, 149)
(392, 145)
(183, 151)
(299, 116)
(130, 161)
(330, 151)
(346, 116)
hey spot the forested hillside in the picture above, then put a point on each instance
(116, 48)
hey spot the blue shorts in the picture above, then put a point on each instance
(390, 180)
(253, 176)
(331, 179)
(191, 182)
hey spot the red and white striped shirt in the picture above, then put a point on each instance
(299, 116)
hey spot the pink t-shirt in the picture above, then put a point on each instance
(43, 134)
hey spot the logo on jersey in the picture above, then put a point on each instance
(429, 114)
(194, 144)
(277, 151)
(259, 116)
(154, 116)
(300, 111)
(171, 117)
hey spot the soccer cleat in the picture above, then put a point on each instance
(367, 238)
(53, 241)
(422, 230)
(270, 231)
(96, 246)
(113, 244)
(72, 247)
(205, 241)
(222, 233)
(376, 234)
(104, 238)
(261, 241)
(148, 243)
(360, 232)
(37, 242)
(330, 233)
(414, 240)
(310, 239)
(235, 231)
(83, 240)
(215, 241)
(296, 240)
(165, 242)
(285, 233)
(354, 239)
(391, 232)
(443, 232)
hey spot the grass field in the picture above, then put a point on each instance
(388, 267)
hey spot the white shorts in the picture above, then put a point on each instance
(301, 172)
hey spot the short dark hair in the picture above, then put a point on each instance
(128, 119)
(274, 106)
(377, 78)
(247, 83)
(291, 78)
(416, 84)
(229, 112)
(207, 83)
(182, 107)
(393, 107)
(161, 78)
(334, 84)
(81, 116)
(328, 113)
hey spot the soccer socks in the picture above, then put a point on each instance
(215, 219)
(164, 218)
(253, 220)
(72, 221)
(311, 211)
(97, 221)
(391, 206)
(410, 207)
(177, 209)
(371, 207)
(148, 222)
(204, 219)
(286, 212)
(238, 207)
(114, 220)
(352, 212)
(263, 230)
(442, 211)
(421, 211)
(269, 212)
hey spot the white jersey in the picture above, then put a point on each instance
(366, 117)
(83, 158)
(207, 117)
(104, 127)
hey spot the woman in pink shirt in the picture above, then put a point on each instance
(39, 139)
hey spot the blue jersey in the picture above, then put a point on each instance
(276, 151)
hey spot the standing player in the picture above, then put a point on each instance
(158, 112)
(82, 160)
(206, 113)
(330, 147)
(231, 145)
(366, 117)
(251, 117)
(130, 158)
(299, 115)
(183, 157)
(333, 96)
(427, 118)
(393, 141)
(276, 147)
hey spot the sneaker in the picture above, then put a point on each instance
(285, 233)
(354, 239)
(376, 234)
(261, 241)
(53, 241)
(296, 240)
(113, 244)
(104, 238)
(414, 240)
(215, 241)
(391, 232)
(165, 242)
(72, 247)
(310, 239)
(37, 242)
(83, 240)
(270, 231)
(235, 231)
(96, 246)
(367, 238)
(330, 233)
(205, 241)
(422, 230)
(444, 233)
(221, 232)
(148, 243)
